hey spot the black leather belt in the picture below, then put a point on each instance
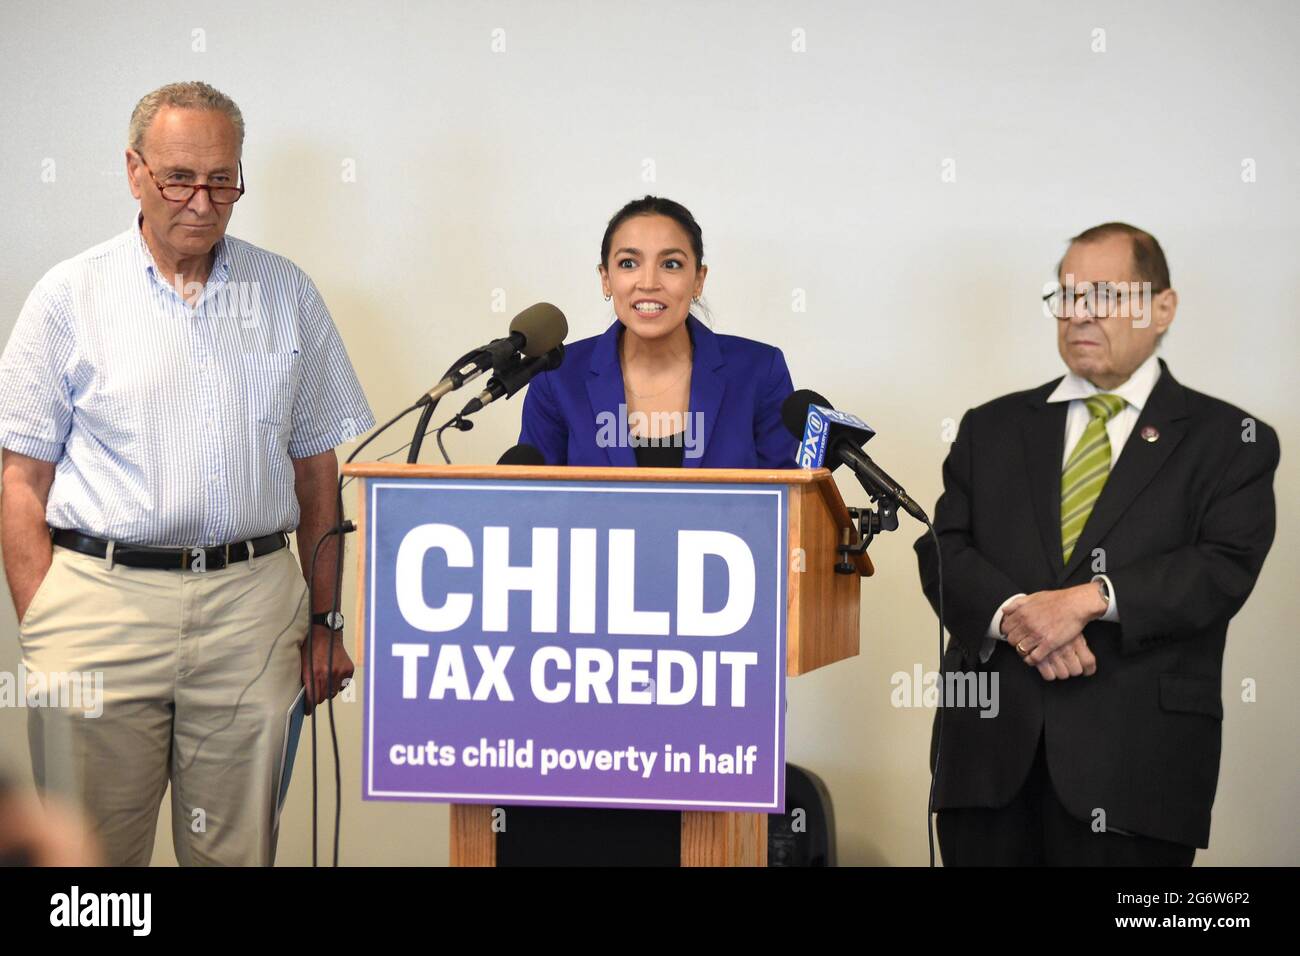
(170, 559)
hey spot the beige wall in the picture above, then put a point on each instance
(817, 171)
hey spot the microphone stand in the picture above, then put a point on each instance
(869, 524)
(426, 416)
(421, 427)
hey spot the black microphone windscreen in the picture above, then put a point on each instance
(543, 327)
(553, 359)
(794, 410)
(522, 455)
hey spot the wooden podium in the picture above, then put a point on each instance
(821, 619)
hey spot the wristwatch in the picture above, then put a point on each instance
(331, 619)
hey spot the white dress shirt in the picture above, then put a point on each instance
(1074, 389)
(175, 425)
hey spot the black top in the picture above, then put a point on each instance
(659, 455)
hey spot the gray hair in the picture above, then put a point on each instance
(194, 95)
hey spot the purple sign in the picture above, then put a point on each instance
(603, 644)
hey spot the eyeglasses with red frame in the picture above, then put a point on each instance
(183, 192)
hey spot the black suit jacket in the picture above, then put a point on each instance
(1181, 528)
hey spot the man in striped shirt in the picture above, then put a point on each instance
(170, 402)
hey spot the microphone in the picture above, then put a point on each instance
(521, 455)
(506, 382)
(811, 418)
(534, 332)
(831, 438)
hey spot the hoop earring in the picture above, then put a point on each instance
(608, 297)
(695, 298)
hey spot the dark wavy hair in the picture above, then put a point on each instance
(655, 206)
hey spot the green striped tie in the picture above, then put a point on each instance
(1086, 470)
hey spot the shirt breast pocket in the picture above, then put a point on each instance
(270, 383)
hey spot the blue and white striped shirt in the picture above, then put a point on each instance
(169, 425)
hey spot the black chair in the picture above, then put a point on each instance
(580, 836)
(805, 834)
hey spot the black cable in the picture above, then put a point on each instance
(396, 451)
(420, 431)
(938, 745)
(389, 454)
(340, 529)
(381, 429)
(329, 680)
(422, 428)
(311, 668)
(461, 424)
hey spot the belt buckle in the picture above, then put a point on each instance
(196, 559)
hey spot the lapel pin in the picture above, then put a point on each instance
(1150, 433)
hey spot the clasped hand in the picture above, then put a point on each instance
(1046, 630)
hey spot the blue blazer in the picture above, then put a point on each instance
(738, 384)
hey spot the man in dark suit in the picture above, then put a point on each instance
(1098, 533)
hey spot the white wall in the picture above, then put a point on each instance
(816, 171)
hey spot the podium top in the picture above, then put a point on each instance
(775, 476)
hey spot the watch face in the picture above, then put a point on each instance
(334, 620)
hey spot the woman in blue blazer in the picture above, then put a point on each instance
(658, 387)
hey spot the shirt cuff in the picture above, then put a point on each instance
(32, 447)
(995, 625)
(995, 630)
(1112, 609)
(349, 428)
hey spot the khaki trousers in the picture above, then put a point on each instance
(198, 672)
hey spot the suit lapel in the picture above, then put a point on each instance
(1136, 466)
(1044, 435)
(707, 385)
(607, 394)
(605, 391)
